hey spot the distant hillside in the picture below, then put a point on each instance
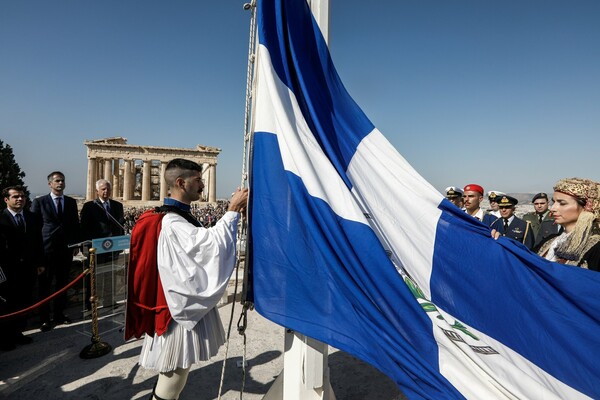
(524, 205)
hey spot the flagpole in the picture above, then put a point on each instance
(320, 10)
(305, 374)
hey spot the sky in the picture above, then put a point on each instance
(505, 94)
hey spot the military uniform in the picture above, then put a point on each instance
(487, 219)
(514, 227)
(453, 192)
(518, 230)
(455, 195)
(542, 225)
(493, 197)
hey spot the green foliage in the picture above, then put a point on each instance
(10, 172)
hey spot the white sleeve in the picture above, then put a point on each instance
(195, 265)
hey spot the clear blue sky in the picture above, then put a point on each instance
(501, 93)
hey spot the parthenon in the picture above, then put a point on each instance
(136, 172)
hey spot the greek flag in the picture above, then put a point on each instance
(351, 246)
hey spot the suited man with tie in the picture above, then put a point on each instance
(60, 228)
(21, 260)
(510, 225)
(103, 216)
(100, 218)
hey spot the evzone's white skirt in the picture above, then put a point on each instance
(180, 348)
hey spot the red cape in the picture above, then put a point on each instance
(147, 310)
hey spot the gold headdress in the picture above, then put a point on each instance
(584, 189)
(586, 229)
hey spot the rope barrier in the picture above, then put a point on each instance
(47, 299)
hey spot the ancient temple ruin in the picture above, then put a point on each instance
(136, 172)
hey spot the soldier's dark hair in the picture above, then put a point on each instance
(180, 168)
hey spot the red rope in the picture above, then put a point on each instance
(47, 299)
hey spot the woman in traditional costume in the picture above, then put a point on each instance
(576, 207)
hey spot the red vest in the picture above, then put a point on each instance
(147, 310)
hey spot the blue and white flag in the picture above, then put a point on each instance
(351, 246)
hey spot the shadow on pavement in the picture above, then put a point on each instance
(353, 379)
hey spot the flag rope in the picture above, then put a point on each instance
(242, 227)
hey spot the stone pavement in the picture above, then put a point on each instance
(50, 368)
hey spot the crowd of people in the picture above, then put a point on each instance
(207, 214)
(566, 231)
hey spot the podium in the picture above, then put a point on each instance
(112, 256)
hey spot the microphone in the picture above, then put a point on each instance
(110, 217)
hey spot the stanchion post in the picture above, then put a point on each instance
(97, 348)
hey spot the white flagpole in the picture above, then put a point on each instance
(305, 374)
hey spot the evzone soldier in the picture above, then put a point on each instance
(473, 196)
(178, 316)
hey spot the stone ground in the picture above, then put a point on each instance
(50, 368)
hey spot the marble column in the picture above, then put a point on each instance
(99, 170)
(212, 183)
(127, 181)
(116, 184)
(90, 190)
(164, 188)
(147, 181)
(108, 170)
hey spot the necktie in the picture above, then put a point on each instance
(59, 207)
(20, 222)
(107, 207)
(540, 217)
(505, 225)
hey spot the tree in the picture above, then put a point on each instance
(10, 172)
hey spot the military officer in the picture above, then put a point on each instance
(542, 223)
(455, 195)
(510, 225)
(493, 197)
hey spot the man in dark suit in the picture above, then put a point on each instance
(60, 229)
(510, 225)
(21, 260)
(102, 217)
